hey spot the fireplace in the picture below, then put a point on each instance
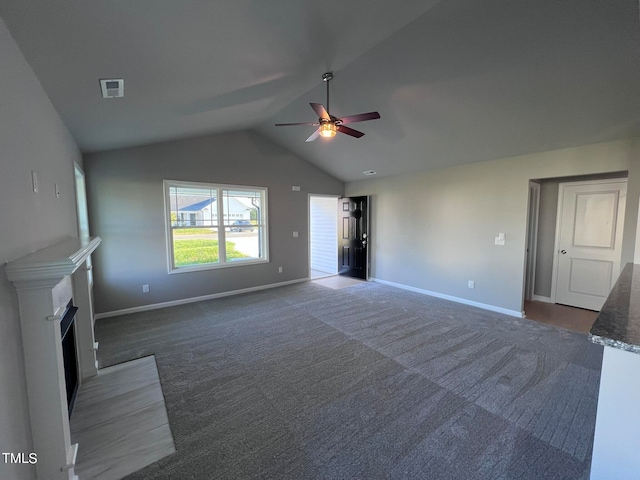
(69, 353)
(58, 343)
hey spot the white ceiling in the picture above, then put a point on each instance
(455, 81)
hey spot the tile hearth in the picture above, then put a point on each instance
(120, 421)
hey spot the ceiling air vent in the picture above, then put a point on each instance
(112, 87)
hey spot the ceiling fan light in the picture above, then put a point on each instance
(328, 130)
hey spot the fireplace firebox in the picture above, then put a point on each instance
(69, 355)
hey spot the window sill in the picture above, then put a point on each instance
(216, 266)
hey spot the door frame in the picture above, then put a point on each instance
(336, 197)
(556, 244)
(533, 214)
(82, 212)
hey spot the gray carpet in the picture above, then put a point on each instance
(368, 382)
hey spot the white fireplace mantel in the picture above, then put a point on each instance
(46, 281)
(47, 267)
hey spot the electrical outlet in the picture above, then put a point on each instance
(145, 288)
(472, 284)
(279, 269)
(295, 234)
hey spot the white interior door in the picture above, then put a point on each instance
(589, 241)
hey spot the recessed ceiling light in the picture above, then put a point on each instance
(112, 87)
(370, 172)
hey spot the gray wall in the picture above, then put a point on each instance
(435, 230)
(32, 137)
(547, 227)
(126, 209)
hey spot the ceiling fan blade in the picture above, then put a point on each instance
(313, 136)
(361, 117)
(320, 111)
(349, 131)
(291, 124)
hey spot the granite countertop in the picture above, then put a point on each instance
(618, 324)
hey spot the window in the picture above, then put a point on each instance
(214, 226)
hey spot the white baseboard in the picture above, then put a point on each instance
(540, 298)
(493, 308)
(182, 301)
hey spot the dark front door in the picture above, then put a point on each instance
(353, 233)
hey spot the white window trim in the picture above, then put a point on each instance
(221, 244)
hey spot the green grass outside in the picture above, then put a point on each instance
(199, 251)
(193, 231)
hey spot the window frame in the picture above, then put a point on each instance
(263, 224)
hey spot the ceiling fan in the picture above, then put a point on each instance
(330, 125)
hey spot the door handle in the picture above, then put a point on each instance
(364, 243)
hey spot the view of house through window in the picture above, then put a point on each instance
(211, 225)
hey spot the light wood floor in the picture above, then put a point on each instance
(571, 318)
(120, 421)
(320, 274)
(337, 281)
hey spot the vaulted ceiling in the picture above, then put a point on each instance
(455, 81)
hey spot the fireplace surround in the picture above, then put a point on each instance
(46, 281)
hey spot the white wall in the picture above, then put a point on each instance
(435, 230)
(32, 137)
